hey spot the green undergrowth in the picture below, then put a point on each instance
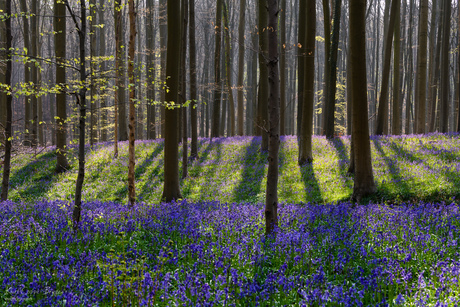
(234, 170)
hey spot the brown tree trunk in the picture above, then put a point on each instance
(163, 42)
(183, 86)
(60, 39)
(364, 179)
(283, 67)
(171, 189)
(382, 115)
(9, 104)
(150, 77)
(121, 90)
(27, 74)
(241, 26)
(271, 200)
(132, 97)
(301, 54)
(193, 83)
(93, 67)
(445, 97)
(262, 101)
(103, 104)
(34, 52)
(228, 73)
(215, 131)
(305, 150)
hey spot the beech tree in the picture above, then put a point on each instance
(132, 97)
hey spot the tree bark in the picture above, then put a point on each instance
(271, 200)
(163, 42)
(121, 90)
(420, 87)
(241, 26)
(27, 74)
(444, 119)
(102, 46)
(396, 119)
(34, 71)
(305, 150)
(193, 83)
(9, 103)
(364, 178)
(382, 115)
(93, 67)
(132, 97)
(215, 131)
(60, 42)
(183, 86)
(283, 67)
(262, 101)
(171, 190)
(301, 54)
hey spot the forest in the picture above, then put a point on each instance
(229, 152)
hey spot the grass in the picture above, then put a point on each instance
(399, 248)
(233, 170)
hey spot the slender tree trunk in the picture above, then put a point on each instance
(364, 179)
(34, 71)
(420, 87)
(163, 42)
(132, 97)
(301, 54)
(305, 150)
(271, 200)
(92, 65)
(183, 86)
(382, 115)
(396, 124)
(193, 83)
(171, 189)
(262, 108)
(215, 131)
(60, 41)
(103, 104)
(241, 26)
(331, 83)
(27, 75)
(445, 97)
(82, 118)
(283, 67)
(118, 68)
(228, 71)
(9, 104)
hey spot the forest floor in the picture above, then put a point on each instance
(398, 247)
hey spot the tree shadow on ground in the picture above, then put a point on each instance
(253, 173)
(142, 168)
(35, 179)
(312, 190)
(343, 160)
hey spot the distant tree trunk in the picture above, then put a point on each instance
(241, 26)
(364, 179)
(331, 84)
(444, 119)
(305, 150)
(103, 104)
(262, 108)
(436, 78)
(9, 103)
(150, 77)
(271, 200)
(183, 86)
(118, 70)
(433, 49)
(228, 72)
(34, 52)
(252, 96)
(121, 91)
(396, 124)
(82, 118)
(327, 51)
(283, 67)
(382, 115)
(27, 73)
(301, 54)
(215, 131)
(420, 87)
(171, 189)
(163, 42)
(3, 95)
(132, 97)
(193, 83)
(92, 66)
(60, 42)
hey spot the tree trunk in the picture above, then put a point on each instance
(396, 124)
(3, 95)
(27, 75)
(82, 118)
(262, 107)
(215, 132)
(228, 72)
(301, 54)
(305, 150)
(103, 104)
(327, 51)
(122, 132)
(444, 119)
(171, 189)
(331, 83)
(420, 87)
(34, 52)
(118, 67)
(283, 68)
(163, 42)
(183, 85)
(60, 39)
(382, 115)
(241, 26)
(364, 179)
(9, 104)
(132, 97)
(193, 83)
(271, 200)
(92, 63)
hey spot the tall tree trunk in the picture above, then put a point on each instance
(132, 98)
(215, 131)
(364, 179)
(435, 95)
(82, 118)
(118, 67)
(396, 124)
(327, 51)
(171, 189)
(382, 115)
(283, 67)
(60, 42)
(92, 66)
(305, 150)
(3, 94)
(301, 54)
(241, 26)
(183, 86)
(193, 83)
(228, 72)
(34, 71)
(150, 77)
(262, 101)
(271, 200)
(420, 87)
(444, 119)
(102, 46)
(331, 84)
(121, 90)
(27, 74)
(9, 103)
(163, 42)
